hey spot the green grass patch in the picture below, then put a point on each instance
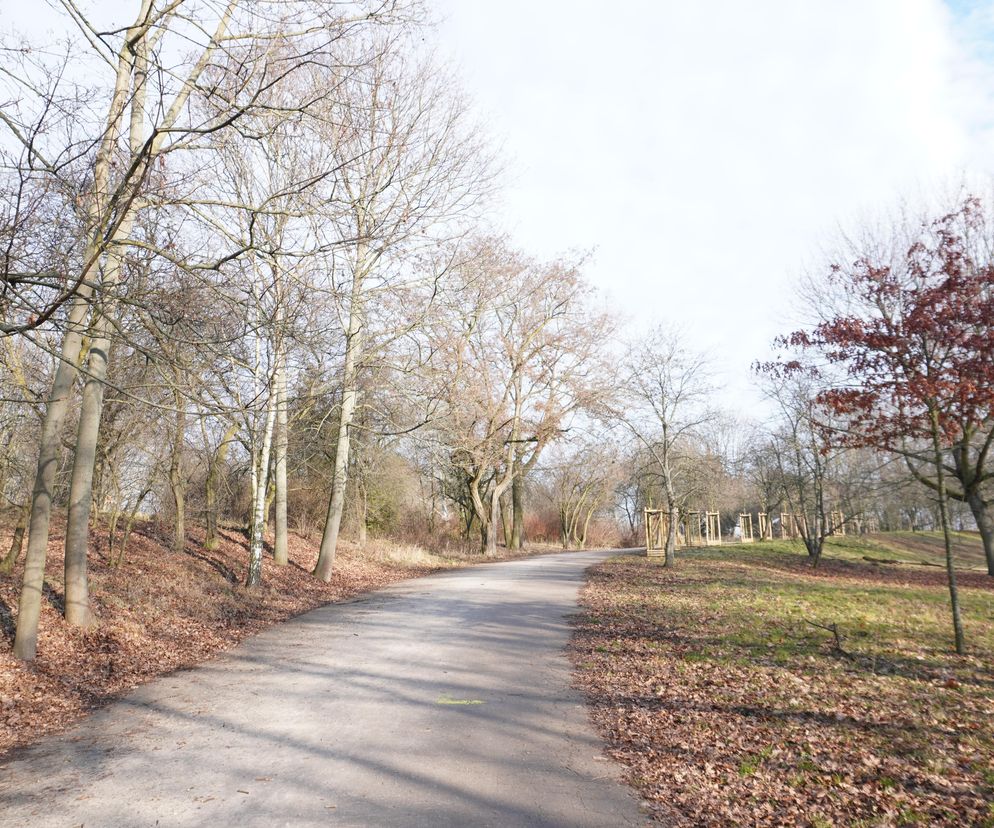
(720, 672)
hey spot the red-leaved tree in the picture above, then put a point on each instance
(910, 363)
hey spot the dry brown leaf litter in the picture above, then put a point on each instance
(727, 708)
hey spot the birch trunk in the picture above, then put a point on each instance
(254, 577)
(280, 548)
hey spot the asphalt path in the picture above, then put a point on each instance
(441, 701)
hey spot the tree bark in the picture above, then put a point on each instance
(350, 396)
(280, 550)
(518, 507)
(985, 523)
(29, 603)
(363, 516)
(586, 527)
(671, 502)
(947, 534)
(505, 519)
(259, 501)
(77, 600)
(177, 483)
(490, 550)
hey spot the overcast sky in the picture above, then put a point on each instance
(708, 150)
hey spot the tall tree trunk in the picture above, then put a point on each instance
(671, 503)
(350, 396)
(280, 551)
(518, 507)
(505, 520)
(77, 600)
(586, 527)
(488, 513)
(985, 523)
(336, 504)
(254, 577)
(490, 547)
(29, 603)
(270, 497)
(177, 482)
(673, 513)
(947, 533)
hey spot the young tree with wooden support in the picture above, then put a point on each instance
(667, 403)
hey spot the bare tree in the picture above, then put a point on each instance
(138, 152)
(667, 405)
(410, 170)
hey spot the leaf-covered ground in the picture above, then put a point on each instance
(729, 708)
(162, 611)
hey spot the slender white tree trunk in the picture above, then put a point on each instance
(280, 550)
(254, 577)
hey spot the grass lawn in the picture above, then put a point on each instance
(729, 707)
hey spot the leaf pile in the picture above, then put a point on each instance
(728, 708)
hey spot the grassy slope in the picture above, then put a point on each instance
(903, 547)
(928, 547)
(728, 707)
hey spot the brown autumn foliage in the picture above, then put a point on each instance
(728, 708)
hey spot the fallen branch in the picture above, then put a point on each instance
(834, 630)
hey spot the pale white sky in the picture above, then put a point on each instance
(707, 150)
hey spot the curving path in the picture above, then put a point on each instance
(443, 701)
